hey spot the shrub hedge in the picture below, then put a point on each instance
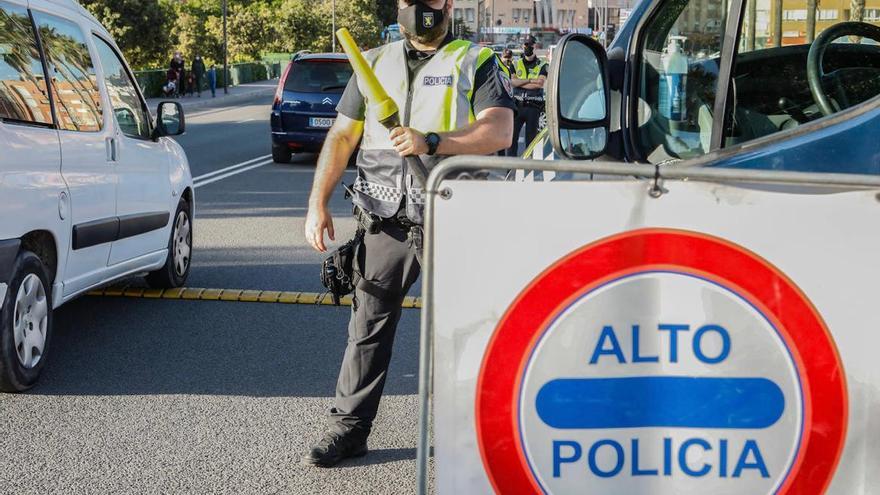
(151, 81)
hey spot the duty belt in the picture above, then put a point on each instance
(372, 224)
(534, 101)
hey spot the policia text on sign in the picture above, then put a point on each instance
(452, 101)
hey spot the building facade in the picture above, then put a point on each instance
(506, 21)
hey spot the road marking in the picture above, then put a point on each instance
(237, 295)
(236, 171)
(231, 167)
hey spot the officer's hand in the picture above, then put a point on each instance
(319, 219)
(408, 141)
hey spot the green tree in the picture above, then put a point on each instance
(359, 16)
(307, 24)
(191, 34)
(387, 12)
(297, 24)
(139, 27)
(148, 31)
(250, 30)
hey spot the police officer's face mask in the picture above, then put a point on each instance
(423, 23)
(528, 50)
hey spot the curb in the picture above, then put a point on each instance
(218, 102)
(237, 295)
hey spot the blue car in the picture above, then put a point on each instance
(305, 103)
(724, 84)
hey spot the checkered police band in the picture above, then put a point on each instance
(417, 195)
(378, 191)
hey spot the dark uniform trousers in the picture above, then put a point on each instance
(526, 115)
(389, 260)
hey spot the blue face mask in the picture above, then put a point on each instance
(422, 21)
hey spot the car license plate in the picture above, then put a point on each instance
(322, 122)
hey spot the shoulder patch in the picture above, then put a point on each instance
(505, 82)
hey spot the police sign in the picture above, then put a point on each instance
(711, 341)
(645, 365)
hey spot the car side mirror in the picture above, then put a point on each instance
(169, 120)
(578, 98)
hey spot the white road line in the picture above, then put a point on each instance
(230, 174)
(237, 165)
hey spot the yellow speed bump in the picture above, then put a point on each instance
(237, 295)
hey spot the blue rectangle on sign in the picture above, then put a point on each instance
(660, 401)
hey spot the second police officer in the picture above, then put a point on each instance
(530, 73)
(452, 101)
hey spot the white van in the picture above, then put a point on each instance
(91, 190)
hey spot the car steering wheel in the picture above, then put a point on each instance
(817, 77)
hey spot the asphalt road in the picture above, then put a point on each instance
(156, 396)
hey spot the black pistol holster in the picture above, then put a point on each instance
(339, 273)
(370, 223)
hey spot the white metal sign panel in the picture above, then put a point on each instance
(591, 339)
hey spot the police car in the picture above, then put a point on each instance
(92, 189)
(742, 86)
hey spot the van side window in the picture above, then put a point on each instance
(680, 60)
(127, 105)
(74, 84)
(23, 94)
(771, 85)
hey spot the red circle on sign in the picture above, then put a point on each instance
(765, 286)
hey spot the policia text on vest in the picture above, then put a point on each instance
(440, 87)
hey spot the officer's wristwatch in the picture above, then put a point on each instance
(432, 139)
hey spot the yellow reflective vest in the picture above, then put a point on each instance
(530, 96)
(439, 100)
(523, 73)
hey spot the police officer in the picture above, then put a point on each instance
(452, 101)
(507, 62)
(528, 91)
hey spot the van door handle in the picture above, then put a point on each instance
(111, 149)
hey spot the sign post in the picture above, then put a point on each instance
(709, 340)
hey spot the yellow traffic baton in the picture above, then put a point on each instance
(385, 108)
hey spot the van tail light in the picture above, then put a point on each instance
(280, 90)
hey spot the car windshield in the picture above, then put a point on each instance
(771, 89)
(318, 76)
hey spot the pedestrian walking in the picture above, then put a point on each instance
(198, 71)
(212, 80)
(177, 65)
(530, 74)
(452, 92)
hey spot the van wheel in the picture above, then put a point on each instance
(176, 269)
(25, 324)
(281, 154)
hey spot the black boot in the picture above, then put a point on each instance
(334, 447)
